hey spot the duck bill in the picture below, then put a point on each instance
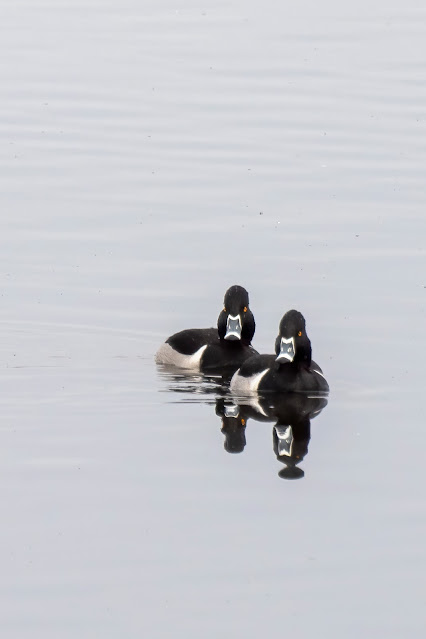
(287, 350)
(233, 328)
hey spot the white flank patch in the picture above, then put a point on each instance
(318, 373)
(246, 385)
(167, 355)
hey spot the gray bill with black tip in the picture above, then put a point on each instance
(233, 327)
(287, 350)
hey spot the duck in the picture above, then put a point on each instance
(215, 349)
(290, 369)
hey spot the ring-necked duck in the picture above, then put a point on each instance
(291, 369)
(209, 349)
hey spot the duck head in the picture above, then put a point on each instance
(236, 321)
(292, 344)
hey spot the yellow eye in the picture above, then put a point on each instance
(224, 309)
(300, 333)
(245, 309)
(243, 422)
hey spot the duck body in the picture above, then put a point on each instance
(202, 349)
(262, 374)
(214, 349)
(290, 370)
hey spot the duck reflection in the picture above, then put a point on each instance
(233, 427)
(234, 421)
(291, 433)
(291, 412)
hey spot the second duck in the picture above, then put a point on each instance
(215, 350)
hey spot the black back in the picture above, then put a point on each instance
(226, 355)
(191, 340)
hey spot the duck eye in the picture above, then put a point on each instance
(300, 333)
(243, 422)
(224, 309)
(245, 309)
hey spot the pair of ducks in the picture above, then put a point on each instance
(229, 348)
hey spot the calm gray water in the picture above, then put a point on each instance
(151, 155)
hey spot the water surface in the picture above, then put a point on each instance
(152, 155)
